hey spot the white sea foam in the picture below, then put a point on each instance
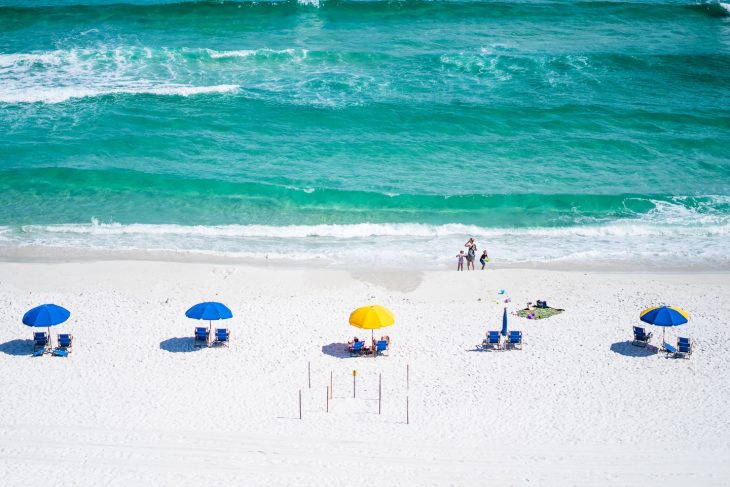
(246, 53)
(227, 54)
(60, 75)
(61, 94)
(651, 239)
(725, 6)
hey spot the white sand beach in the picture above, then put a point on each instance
(135, 404)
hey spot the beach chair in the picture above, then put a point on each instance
(356, 348)
(641, 338)
(669, 349)
(222, 336)
(41, 343)
(65, 341)
(493, 340)
(684, 347)
(514, 339)
(202, 336)
(380, 347)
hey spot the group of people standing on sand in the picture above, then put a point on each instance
(470, 256)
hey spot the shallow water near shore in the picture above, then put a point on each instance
(360, 132)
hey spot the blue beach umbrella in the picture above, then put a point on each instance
(664, 316)
(504, 322)
(46, 316)
(209, 310)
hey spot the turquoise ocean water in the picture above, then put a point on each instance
(369, 132)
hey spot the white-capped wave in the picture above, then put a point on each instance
(629, 228)
(263, 73)
(725, 6)
(246, 53)
(61, 75)
(61, 94)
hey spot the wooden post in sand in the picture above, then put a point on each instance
(354, 374)
(380, 394)
(309, 374)
(327, 400)
(300, 404)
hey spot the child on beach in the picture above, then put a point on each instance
(484, 259)
(460, 265)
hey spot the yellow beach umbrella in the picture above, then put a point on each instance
(371, 318)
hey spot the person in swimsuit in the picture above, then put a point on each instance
(483, 259)
(460, 265)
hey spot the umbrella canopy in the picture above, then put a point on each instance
(209, 311)
(46, 315)
(664, 316)
(371, 318)
(504, 322)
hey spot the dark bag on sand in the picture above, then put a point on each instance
(542, 304)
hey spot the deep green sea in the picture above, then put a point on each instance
(369, 132)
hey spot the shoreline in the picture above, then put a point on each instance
(60, 255)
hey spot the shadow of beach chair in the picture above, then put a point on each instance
(641, 338)
(356, 348)
(202, 337)
(514, 339)
(381, 346)
(222, 336)
(41, 343)
(493, 341)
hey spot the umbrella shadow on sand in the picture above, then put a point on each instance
(17, 347)
(627, 349)
(179, 345)
(338, 350)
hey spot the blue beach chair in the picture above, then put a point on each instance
(356, 348)
(514, 339)
(641, 338)
(684, 347)
(202, 336)
(41, 343)
(381, 346)
(65, 342)
(222, 336)
(493, 340)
